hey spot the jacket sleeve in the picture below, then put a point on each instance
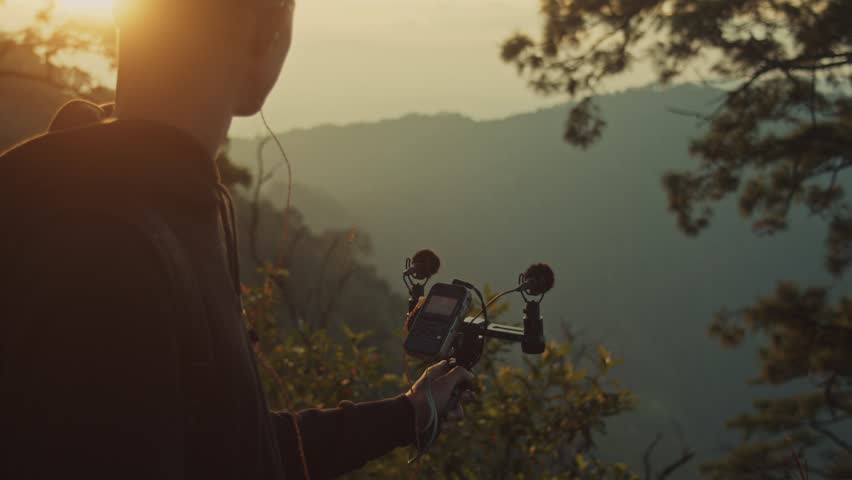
(339, 440)
(89, 364)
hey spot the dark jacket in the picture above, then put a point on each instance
(90, 377)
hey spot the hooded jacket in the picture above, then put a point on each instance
(91, 383)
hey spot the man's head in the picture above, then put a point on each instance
(179, 47)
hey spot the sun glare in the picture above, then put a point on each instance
(85, 8)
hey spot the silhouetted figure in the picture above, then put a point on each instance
(123, 353)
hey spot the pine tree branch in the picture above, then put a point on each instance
(831, 436)
(808, 63)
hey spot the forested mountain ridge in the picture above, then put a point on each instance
(493, 196)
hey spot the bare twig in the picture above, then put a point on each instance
(332, 302)
(803, 467)
(316, 292)
(282, 248)
(691, 113)
(254, 208)
(685, 457)
(646, 458)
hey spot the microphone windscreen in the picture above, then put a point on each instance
(539, 278)
(426, 263)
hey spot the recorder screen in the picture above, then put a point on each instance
(442, 306)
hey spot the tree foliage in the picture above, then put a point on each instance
(809, 340)
(46, 50)
(329, 281)
(539, 420)
(778, 138)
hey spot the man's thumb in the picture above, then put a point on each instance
(437, 370)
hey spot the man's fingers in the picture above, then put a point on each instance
(459, 376)
(437, 370)
(468, 396)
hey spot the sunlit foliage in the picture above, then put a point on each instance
(538, 420)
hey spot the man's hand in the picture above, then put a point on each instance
(444, 380)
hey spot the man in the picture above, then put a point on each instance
(122, 350)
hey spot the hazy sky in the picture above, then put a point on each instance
(369, 59)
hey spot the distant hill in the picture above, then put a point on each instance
(493, 196)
